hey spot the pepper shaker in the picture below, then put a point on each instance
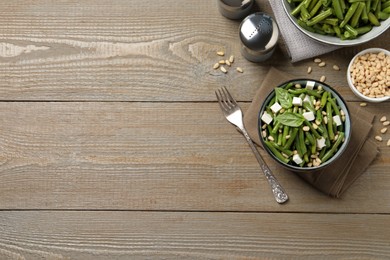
(259, 34)
(235, 9)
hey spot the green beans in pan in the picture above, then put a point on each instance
(303, 125)
(346, 19)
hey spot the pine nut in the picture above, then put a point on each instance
(222, 62)
(378, 138)
(335, 67)
(309, 70)
(363, 104)
(228, 63)
(384, 130)
(383, 119)
(317, 60)
(231, 59)
(216, 66)
(322, 64)
(323, 78)
(223, 69)
(221, 53)
(306, 128)
(239, 69)
(388, 142)
(366, 74)
(386, 123)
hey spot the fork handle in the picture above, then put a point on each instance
(278, 191)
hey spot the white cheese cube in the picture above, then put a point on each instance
(310, 85)
(307, 99)
(266, 118)
(297, 159)
(297, 101)
(276, 107)
(321, 143)
(337, 120)
(309, 116)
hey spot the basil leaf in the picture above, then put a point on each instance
(290, 119)
(283, 97)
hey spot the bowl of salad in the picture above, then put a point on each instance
(304, 125)
(339, 22)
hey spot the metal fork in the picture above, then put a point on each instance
(233, 114)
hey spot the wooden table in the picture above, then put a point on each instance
(113, 146)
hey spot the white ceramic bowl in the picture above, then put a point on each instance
(333, 40)
(349, 79)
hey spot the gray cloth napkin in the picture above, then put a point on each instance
(298, 45)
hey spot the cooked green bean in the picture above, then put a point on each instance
(298, 135)
(340, 18)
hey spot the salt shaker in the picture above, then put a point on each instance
(235, 9)
(259, 34)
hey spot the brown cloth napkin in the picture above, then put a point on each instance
(337, 178)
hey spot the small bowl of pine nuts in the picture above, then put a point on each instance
(368, 75)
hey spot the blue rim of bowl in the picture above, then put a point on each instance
(339, 151)
(333, 40)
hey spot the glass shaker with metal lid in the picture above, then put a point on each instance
(235, 9)
(259, 34)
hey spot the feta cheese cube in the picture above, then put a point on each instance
(321, 143)
(307, 99)
(310, 85)
(309, 116)
(297, 159)
(266, 118)
(337, 120)
(276, 107)
(297, 101)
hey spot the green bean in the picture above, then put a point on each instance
(337, 9)
(332, 101)
(276, 127)
(315, 9)
(310, 138)
(314, 131)
(305, 15)
(364, 16)
(349, 14)
(286, 130)
(330, 120)
(385, 4)
(280, 137)
(286, 139)
(383, 16)
(314, 93)
(281, 149)
(345, 19)
(386, 10)
(331, 21)
(363, 29)
(309, 107)
(276, 152)
(318, 18)
(375, 5)
(312, 4)
(368, 6)
(356, 16)
(290, 141)
(301, 138)
(324, 98)
(372, 18)
(332, 150)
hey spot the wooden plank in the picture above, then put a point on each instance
(133, 51)
(178, 235)
(153, 156)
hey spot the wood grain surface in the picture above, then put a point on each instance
(112, 144)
